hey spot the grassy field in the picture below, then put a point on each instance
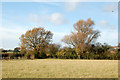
(57, 68)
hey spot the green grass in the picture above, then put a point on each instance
(59, 68)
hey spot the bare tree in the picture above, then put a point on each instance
(83, 35)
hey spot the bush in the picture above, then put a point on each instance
(16, 55)
(67, 53)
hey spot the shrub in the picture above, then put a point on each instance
(67, 53)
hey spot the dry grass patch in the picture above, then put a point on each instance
(57, 68)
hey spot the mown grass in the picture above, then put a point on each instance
(59, 68)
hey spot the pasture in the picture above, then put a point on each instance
(59, 68)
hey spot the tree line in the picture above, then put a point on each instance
(37, 43)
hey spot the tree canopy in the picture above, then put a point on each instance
(83, 35)
(35, 40)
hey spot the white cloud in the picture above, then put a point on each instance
(106, 25)
(110, 37)
(34, 17)
(103, 22)
(53, 3)
(110, 8)
(38, 19)
(57, 36)
(17, 30)
(10, 37)
(70, 6)
(109, 33)
(55, 19)
(58, 19)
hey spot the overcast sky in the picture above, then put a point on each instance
(59, 17)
